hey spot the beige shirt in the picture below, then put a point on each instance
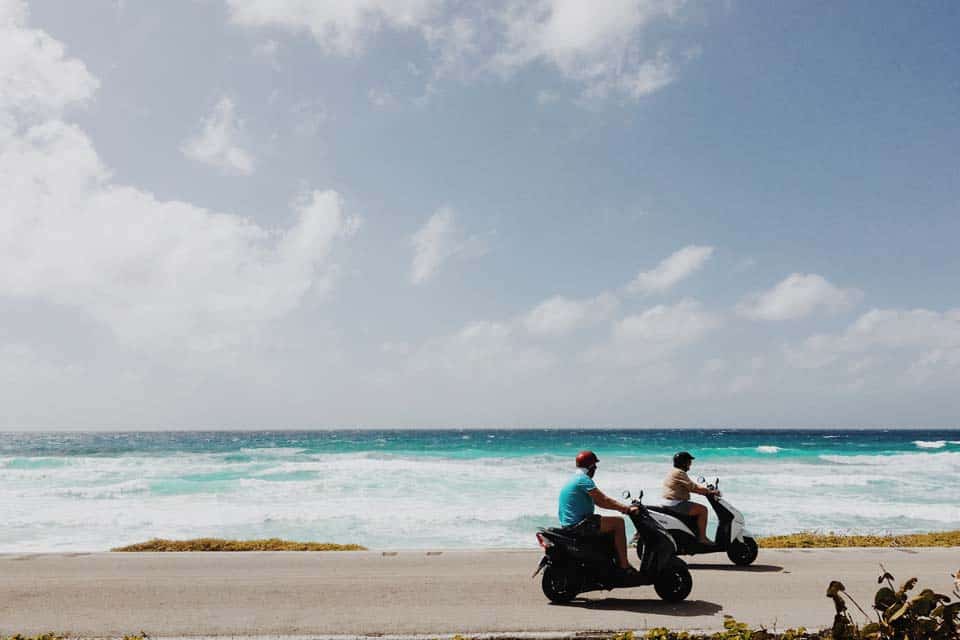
(677, 485)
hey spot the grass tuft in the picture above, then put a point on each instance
(812, 540)
(218, 544)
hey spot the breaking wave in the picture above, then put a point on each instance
(448, 493)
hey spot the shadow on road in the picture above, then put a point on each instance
(687, 608)
(753, 568)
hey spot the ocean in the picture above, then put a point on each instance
(417, 489)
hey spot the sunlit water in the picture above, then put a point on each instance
(417, 489)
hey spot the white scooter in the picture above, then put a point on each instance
(732, 536)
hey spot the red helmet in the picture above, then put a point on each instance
(586, 459)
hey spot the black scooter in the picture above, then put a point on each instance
(573, 564)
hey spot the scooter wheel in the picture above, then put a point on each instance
(559, 585)
(743, 553)
(675, 582)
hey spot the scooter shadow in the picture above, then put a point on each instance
(687, 608)
(753, 568)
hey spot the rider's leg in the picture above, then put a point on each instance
(699, 512)
(615, 526)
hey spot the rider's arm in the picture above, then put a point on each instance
(603, 501)
(704, 491)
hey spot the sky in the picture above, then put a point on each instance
(516, 213)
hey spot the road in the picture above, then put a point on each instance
(415, 592)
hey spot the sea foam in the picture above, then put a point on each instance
(450, 493)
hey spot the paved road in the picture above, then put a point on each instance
(298, 594)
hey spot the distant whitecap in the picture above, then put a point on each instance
(768, 448)
(930, 444)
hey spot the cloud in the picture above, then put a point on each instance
(381, 98)
(158, 274)
(593, 43)
(656, 333)
(437, 241)
(602, 46)
(267, 49)
(671, 270)
(37, 79)
(216, 144)
(559, 315)
(340, 27)
(796, 296)
(482, 351)
(920, 336)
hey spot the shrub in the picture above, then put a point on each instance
(927, 615)
(216, 544)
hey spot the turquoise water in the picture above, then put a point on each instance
(449, 488)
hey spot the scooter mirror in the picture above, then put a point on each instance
(626, 495)
(701, 479)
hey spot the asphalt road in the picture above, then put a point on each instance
(414, 592)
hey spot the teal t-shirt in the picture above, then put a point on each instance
(575, 501)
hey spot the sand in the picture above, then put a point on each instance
(415, 592)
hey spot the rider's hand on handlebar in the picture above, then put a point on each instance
(632, 510)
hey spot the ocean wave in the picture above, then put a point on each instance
(273, 451)
(930, 444)
(449, 498)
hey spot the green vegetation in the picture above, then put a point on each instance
(811, 540)
(217, 544)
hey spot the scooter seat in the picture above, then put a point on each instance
(686, 519)
(568, 533)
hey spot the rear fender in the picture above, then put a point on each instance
(544, 561)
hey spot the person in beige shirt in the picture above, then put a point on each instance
(678, 486)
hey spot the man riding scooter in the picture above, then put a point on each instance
(678, 486)
(577, 500)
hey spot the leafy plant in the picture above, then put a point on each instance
(927, 615)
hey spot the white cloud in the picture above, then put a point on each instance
(560, 315)
(158, 274)
(482, 351)
(267, 49)
(341, 27)
(602, 46)
(656, 333)
(437, 241)
(671, 270)
(381, 98)
(796, 296)
(894, 329)
(593, 43)
(713, 366)
(217, 145)
(920, 336)
(37, 79)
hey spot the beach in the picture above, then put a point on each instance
(418, 592)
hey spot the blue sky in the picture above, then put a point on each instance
(244, 213)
